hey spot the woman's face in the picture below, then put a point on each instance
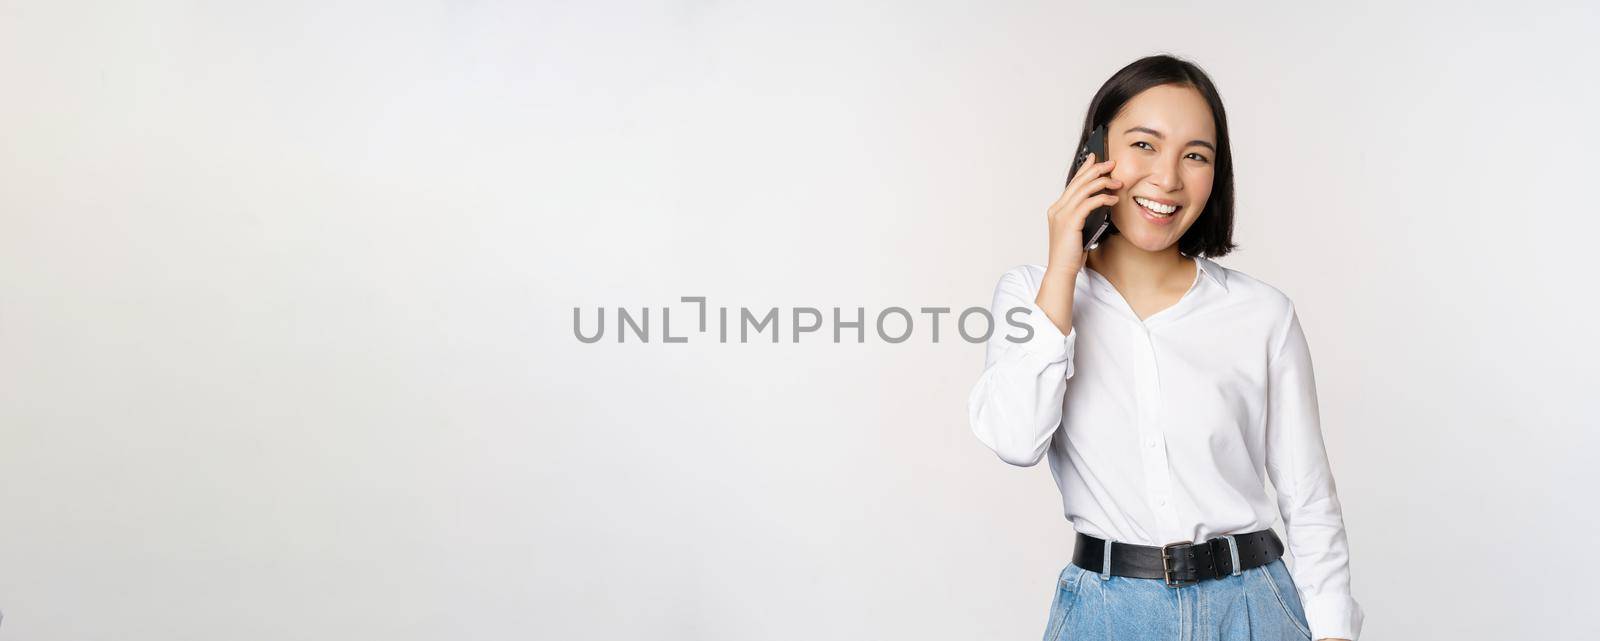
(1164, 142)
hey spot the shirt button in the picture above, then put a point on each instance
(1150, 442)
(1162, 502)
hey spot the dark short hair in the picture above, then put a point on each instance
(1211, 234)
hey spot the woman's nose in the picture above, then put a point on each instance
(1165, 176)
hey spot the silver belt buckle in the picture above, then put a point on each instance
(1166, 566)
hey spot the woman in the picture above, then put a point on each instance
(1190, 384)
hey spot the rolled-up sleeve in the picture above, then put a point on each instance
(1015, 407)
(1308, 500)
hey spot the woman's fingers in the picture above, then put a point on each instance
(1090, 172)
(1099, 200)
(1095, 186)
(1089, 189)
(1093, 202)
(1074, 216)
(1081, 187)
(1088, 162)
(1090, 168)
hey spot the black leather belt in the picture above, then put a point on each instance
(1182, 563)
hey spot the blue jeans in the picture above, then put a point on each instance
(1260, 604)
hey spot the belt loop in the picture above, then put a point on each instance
(1105, 566)
(1233, 551)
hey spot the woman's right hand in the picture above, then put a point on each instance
(1081, 197)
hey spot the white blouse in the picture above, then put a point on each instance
(1159, 431)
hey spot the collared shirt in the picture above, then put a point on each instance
(1165, 429)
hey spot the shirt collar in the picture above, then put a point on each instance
(1214, 271)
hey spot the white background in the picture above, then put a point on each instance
(286, 293)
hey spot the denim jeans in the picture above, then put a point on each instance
(1259, 604)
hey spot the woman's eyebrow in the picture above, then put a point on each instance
(1158, 135)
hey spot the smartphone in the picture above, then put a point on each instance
(1098, 224)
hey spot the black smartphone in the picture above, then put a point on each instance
(1098, 224)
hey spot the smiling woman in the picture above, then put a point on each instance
(1189, 384)
(1160, 210)
(1161, 141)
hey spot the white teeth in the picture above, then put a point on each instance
(1165, 210)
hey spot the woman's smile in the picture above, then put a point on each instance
(1156, 211)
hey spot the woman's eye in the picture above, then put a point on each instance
(1199, 157)
(1141, 142)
